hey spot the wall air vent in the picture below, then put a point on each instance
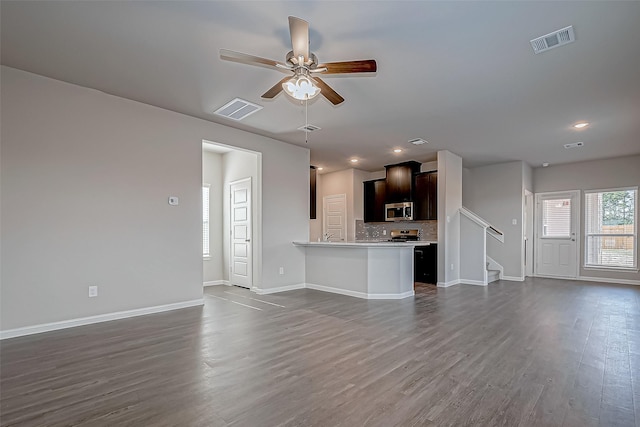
(574, 145)
(555, 39)
(308, 128)
(237, 109)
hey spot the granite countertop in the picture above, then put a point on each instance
(368, 244)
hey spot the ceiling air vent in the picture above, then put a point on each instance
(574, 145)
(237, 109)
(308, 128)
(417, 141)
(555, 39)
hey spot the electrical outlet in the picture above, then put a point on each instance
(514, 222)
(451, 267)
(93, 291)
(384, 232)
(281, 270)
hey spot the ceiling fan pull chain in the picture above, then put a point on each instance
(306, 121)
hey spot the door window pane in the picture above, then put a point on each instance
(556, 218)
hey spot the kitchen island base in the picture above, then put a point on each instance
(370, 271)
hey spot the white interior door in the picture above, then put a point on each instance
(241, 249)
(557, 234)
(334, 222)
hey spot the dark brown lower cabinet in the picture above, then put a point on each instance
(426, 264)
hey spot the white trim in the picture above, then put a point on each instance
(215, 283)
(359, 294)
(260, 291)
(473, 282)
(447, 284)
(64, 324)
(610, 280)
(512, 278)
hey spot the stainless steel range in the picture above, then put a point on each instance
(404, 235)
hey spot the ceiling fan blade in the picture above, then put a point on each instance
(243, 58)
(327, 92)
(363, 66)
(276, 89)
(299, 29)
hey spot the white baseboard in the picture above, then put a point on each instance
(513, 278)
(447, 284)
(473, 282)
(260, 291)
(357, 294)
(54, 326)
(216, 283)
(609, 280)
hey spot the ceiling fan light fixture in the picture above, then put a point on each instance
(301, 87)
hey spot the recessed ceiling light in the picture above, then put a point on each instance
(320, 169)
(397, 150)
(581, 125)
(417, 141)
(545, 164)
(354, 160)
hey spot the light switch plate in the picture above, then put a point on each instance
(514, 222)
(173, 201)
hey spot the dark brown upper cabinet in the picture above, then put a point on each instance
(399, 182)
(374, 200)
(425, 196)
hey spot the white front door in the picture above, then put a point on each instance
(557, 234)
(334, 223)
(241, 254)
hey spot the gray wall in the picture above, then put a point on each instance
(85, 178)
(212, 174)
(495, 192)
(593, 175)
(449, 203)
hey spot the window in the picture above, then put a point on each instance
(611, 233)
(556, 218)
(205, 220)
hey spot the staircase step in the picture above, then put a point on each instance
(493, 275)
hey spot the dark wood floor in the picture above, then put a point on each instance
(539, 353)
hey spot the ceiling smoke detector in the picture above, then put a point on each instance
(417, 141)
(574, 145)
(237, 109)
(555, 39)
(309, 128)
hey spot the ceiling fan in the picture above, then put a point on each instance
(304, 84)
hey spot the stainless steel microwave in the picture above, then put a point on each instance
(398, 211)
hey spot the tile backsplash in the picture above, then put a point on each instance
(428, 230)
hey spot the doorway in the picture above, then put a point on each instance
(234, 176)
(557, 234)
(528, 233)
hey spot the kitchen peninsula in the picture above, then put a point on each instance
(363, 269)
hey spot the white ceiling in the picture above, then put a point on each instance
(461, 75)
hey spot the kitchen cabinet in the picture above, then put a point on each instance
(426, 264)
(399, 182)
(374, 200)
(425, 196)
